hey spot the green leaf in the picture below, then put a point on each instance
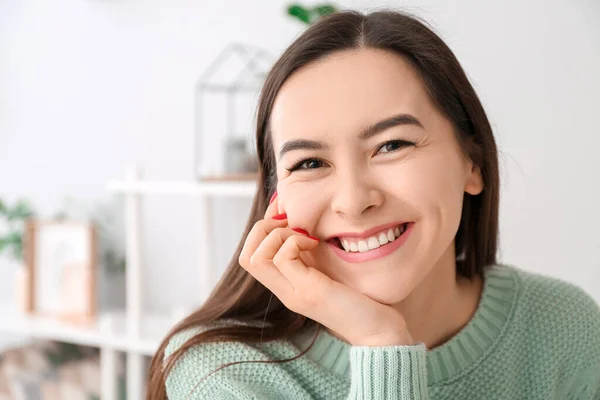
(2, 208)
(18, 251)
(11, 240)
(21, 211)
(325, 9)
(296, 10)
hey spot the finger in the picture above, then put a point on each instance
(310, 286)
(261, 267)
(270, 273)
(288, 261)
(267, 274)
(272, 209)
(257, 234)
(271, 244)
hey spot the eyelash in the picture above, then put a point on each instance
(400, 142)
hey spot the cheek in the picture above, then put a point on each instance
(433, 185)
(302, 204)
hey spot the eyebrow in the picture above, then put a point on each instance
(369, 132)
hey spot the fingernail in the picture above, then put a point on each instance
(302, 231)
(280, 216)
(273, 197)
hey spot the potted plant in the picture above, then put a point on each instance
(11, 241)
(14, 218)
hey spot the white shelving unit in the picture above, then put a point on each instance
(133, 332)
(133, 189)
(109, 332)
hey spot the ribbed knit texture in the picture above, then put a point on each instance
(532, 337)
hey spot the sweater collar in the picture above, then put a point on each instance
(455, 357)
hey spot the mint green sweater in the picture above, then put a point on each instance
(532, 337)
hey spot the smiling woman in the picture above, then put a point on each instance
(371, 272)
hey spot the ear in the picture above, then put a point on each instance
(474, 183)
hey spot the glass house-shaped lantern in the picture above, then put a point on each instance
(225, 102)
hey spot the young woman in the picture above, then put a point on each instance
(368, 267)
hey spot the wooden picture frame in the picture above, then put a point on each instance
(61, 257)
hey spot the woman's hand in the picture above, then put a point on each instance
(280, 258)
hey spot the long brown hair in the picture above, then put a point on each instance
(241, 297)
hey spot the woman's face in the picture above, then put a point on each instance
(363, 155)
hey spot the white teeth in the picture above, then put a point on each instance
(373, 243)
(362, 246)
(345, 245)
(383, 239)
(390, 235)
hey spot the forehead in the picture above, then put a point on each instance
(345, 92)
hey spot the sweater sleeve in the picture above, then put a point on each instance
(198, 373)
(584, 349)
(189, 379)
(388, 373)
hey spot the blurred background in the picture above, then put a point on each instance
(126, 150)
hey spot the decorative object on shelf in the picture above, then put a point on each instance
(107, 217)
(308, 15)
(238, 157)
(61, 258)
(108, 220)
(223, 148)
(13, 219)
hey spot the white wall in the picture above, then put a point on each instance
(89, 86)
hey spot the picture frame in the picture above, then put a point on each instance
(61, 257)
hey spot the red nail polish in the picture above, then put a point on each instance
(280, 216)
(273, 197)
(302, 231)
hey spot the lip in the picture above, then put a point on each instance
(379, 252)
(367, 233)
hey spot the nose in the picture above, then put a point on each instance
(356, 195)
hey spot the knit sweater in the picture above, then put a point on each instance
(531, 337)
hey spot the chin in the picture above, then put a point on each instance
(389, 299)
(387, 288)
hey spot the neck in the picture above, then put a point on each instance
(442, 304)
(452, 360)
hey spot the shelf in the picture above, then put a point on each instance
(250, 176)
(241, 188)
(109, 331)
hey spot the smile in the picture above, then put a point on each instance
(379, 244)
(373, 242)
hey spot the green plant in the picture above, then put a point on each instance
(309, 15)
(14, 217)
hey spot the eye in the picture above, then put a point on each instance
(307, 163)
(393, 145)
